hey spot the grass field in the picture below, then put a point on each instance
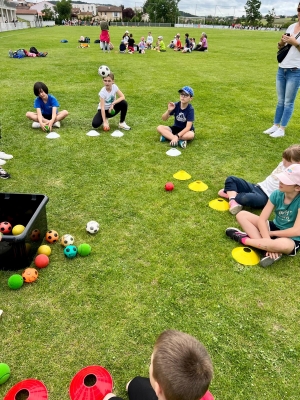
(161, 259)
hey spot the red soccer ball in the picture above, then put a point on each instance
(41, 261)
(5, 228)
(169, 186)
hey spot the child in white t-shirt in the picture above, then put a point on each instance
(112, 102)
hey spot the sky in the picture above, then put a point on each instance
(216, 7)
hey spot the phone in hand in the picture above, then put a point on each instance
(287, 34)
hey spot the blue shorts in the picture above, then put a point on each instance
(273, 227)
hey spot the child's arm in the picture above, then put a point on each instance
(263, 225)
(52, 120)
(187, 128)
(166, 114)
(102, 108)
(40, 118)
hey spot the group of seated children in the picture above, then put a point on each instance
(129, 45)
(189, 43)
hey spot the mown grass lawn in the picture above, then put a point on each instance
(161, 259)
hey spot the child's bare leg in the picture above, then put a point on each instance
(188, 135)
(32, 115)
(279, 245)
(61, 115)
(231, 194)
(249, 223)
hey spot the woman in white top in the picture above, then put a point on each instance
(287, 80)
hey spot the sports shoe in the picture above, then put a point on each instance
(162, 139)
(36, 125)
(221, 193)
(182, 143)
(2, 162)
(271, 130)
(278, 133)
(4, 174)
(56, 124)
(235, 234)
(123, 125)
(5, 156)
(267, 261)
(234, 207)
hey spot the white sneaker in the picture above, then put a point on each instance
(271, 130)
(278, 133)
(36, 125)
(5, 156)
(56, 124)
(124, 126)
(2, 162)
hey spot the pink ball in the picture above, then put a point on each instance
(169, 186)
(41, 261)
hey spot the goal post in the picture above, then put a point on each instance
(185, 21)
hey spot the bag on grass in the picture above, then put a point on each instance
(97, 41)
(33, 50)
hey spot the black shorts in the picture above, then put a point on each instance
(273, 227)
(175, 130)
(47, 116)
(140, 389)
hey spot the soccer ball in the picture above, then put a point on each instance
(5, 228)
(70, 251)
(103, 71)
(92, 227)
(35, 235)
(66, 240)
(51, 236)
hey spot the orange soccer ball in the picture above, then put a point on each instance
(106, 128)
(30, 275)
(51, 236)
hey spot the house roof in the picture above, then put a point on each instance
(109, 9)
(24, 11)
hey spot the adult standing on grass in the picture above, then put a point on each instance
(104, 35)
(287, 80)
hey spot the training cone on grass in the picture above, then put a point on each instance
(219, 204)
(198, 186)
(93, 383)
(35, 390)
(173, 152)
(182, 175)
(245, 256)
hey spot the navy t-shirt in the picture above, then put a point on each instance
(183, 116)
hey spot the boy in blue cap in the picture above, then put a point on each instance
(183, 129)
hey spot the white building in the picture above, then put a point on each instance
(8, 11)
(86, 7)
(39, 7)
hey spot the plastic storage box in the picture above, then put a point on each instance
(29, 210)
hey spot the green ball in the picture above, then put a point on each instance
(47, 128)
(112, 112)
(4, 373)
(84, 249)
(15, 281)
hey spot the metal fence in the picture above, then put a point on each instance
(131, 24)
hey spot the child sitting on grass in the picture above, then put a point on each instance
(180, 369)
(112, 101)
(160, 45)
(241, 193)
(282, 235)
(46, 109)
(183, 128)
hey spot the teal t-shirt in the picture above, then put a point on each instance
(285, 214)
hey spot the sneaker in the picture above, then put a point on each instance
(234, 207)
(278, 133)
(36, 125)
(56, 124)
(182, 143)
(162, 139)
(221, 193)
(235, 234)
(123, 125)
(5, 156)
(271, 130)
(4, 174)
(267, 261)
(2, 162)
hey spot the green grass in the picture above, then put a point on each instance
(161, 259)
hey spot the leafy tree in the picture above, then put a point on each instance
(270, 18)
(162, 10)
(48, 14)
(63, 8)
(253, 16)
(128, 14)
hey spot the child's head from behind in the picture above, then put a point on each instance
(292, 155)
(38, 87)
(181, 367)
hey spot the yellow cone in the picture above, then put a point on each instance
(198, 186)
(245, 256)
(182, 175)
(219, 204)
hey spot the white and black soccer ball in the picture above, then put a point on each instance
(103, 71)
(92, 227)
(67, 240)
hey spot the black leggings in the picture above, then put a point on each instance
(118, 107)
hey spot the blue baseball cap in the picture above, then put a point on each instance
(187, 90)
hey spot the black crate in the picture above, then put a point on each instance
(17, 252)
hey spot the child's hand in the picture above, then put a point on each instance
(105, 125)
(171, 106)
(174, 141)
(273, 255)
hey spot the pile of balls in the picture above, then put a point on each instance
(7, 229)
